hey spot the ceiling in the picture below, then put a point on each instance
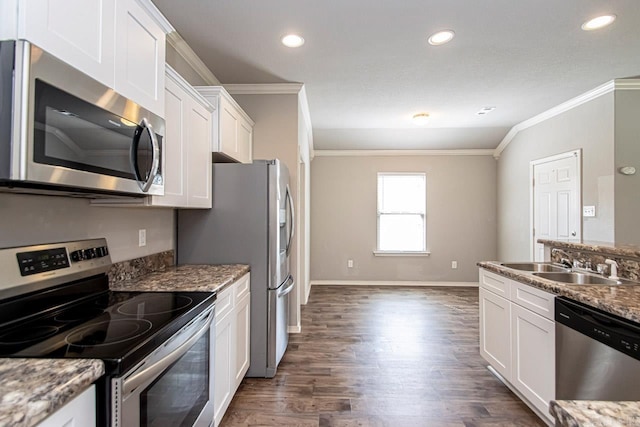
(367, 66)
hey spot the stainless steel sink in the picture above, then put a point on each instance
(581, 279)
(535, 266)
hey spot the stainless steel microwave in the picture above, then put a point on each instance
(62, 131)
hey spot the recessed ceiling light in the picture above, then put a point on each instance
(421, 118)
(598, 22)
(292, 40)
(441, 37)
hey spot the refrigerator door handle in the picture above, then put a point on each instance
(290, 199)
(286, 288)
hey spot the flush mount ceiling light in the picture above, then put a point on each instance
(598, 22)
(420, 118)
(292, 40)
(485, 110)
(441, 37)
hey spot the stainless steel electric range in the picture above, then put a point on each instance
(55, 303)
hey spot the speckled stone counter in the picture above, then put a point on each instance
(587, 413)
(622, 300)
(32, 389)
(185, 278)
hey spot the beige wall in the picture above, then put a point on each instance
(627, 153)
(589, 127)
(461, 218)
(182, 67)
(30, 219)
(275, 135)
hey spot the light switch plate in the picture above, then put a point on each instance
(588, 211)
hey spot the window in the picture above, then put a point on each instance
(402, 212)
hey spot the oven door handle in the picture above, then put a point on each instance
(136, 380)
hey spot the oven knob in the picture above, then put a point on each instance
(89, 253)
(76, 256)
(101, 252)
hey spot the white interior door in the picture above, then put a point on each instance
(556, 190)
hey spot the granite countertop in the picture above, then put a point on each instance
(624, 250)
(621, 300)
(185, 278)
(588, 413)
(32, 389)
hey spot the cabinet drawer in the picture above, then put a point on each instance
(495, 283)
(224, 302)
(242, 287)
(534, 299)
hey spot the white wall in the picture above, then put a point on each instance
(32, 219)
(461, 218)
(589, 126)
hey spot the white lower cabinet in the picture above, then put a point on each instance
(533, 356)
(517, 337)
(495, 331)
(80, 411)
(232, 338)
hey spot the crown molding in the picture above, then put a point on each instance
(264, 89)
(627, 84)
(608, 87)
(184, 85)
(194, 61)
(156, 15)
(353, 153)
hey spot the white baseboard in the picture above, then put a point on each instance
(294, 329)
(390, 283)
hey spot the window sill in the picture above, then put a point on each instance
(401, 253)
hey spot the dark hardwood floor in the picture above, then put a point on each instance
(382, 356)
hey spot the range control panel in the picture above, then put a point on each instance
(40, 261)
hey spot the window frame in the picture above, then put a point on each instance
(383, 252)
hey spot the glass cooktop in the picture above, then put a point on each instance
(117, 327)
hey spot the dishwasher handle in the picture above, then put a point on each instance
(611, 330)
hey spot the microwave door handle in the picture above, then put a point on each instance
(155, 159)
(289, 198)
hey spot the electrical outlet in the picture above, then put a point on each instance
(350, 263)
(454, 264)
(142, 237)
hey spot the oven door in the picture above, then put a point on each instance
(172, 386)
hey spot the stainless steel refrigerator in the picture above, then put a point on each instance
(250, 222)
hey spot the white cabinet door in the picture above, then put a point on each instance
(228, 129)
(198, 139)
(245, 142)
(533, 357)
(223, 366)
(139, 56)
(79, 32)
(242, 329)
(81, 411)
(175, 151)
(495, 331)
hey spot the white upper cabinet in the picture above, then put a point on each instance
(84, 38)
(232, 127)
(139, 56)
(187, 156)
(120, 43)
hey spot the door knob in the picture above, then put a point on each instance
(573, 233)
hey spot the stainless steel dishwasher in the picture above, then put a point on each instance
(597, 354)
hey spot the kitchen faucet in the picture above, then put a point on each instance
(566, 260)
